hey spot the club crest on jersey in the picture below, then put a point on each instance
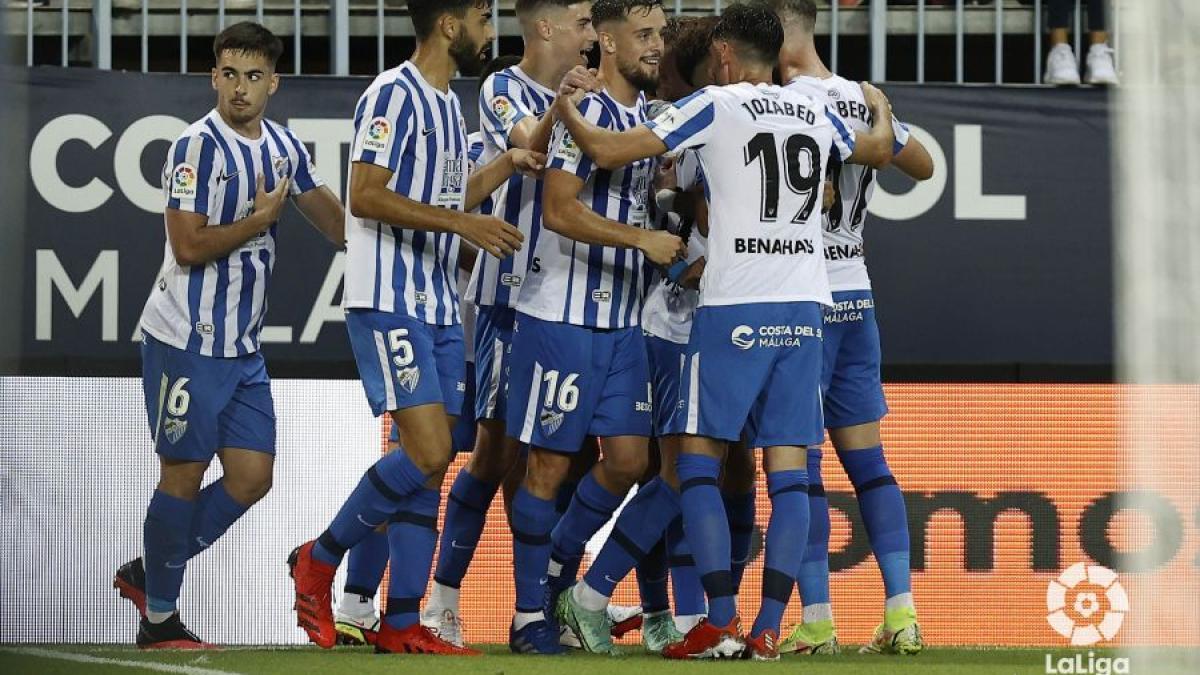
(551, 421)
(175, 429)
(183, 181)
(409, 378)
(503, 108)
(281, 165)
(377, 135)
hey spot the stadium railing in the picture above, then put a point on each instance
(85, 28)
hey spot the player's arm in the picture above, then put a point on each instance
(563, 213)
(608, 149)
(323, 210)
(195, 243)
(487, 178)
(467, 254)
(873, 148)
(914, 160)
(372, 199)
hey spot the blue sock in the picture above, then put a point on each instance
(689, 594)
(533, 519)
(466, 514)
(814, 572)
(365, 564)
(787, 536)
(378, 495)
(883, 513)
(168, 520)
(412, 536)
(567, 569)
(636, 533)
(214, 513)
(566, 492)
(590, 509)
(707, 529)
(652, 574)
(739, 508)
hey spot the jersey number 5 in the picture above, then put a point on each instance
(802, 171)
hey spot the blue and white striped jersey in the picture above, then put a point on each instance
(597, 286)
(764, 150)
(507, 98)
(217, 309)
(417, 132)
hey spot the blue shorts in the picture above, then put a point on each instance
(462, 436)
(850, 379)
(198, 404)
(755, 367)
(493, 347)
(568, 382)
(405, 362)
(666, 368)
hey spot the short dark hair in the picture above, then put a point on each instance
(691, 46)
(604, 11)
(248, 37)
(756, 30)
(530, 5)
(804, 10)
(425, 13)
(498, 64)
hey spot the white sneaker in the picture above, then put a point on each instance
(1061, 66)
(1101, 68)
(444, 623)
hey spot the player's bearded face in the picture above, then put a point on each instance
(469, 48)
(639, 47)
(244, 82)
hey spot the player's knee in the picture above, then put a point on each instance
(625, 469)
(546, 472)
(248, 489)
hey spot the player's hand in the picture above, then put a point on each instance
(576, 84)
(875, 98)
(828, 197)
(490, 234)
(270, 204)
(662, 247)
(528, 162)
(691, 276)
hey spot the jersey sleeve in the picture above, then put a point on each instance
(501, 108)
(687, 171)
(565, 153)
(304, 173)
(843, 140)
(383, 122)
(900, 129)
(687, 124)
(192, 173)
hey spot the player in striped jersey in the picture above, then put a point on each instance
(410, 199)
(514, 112)
(578, 365)
(853, 392)
(761, 301)
(207, 392)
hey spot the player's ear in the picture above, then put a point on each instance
(214, 79)
(545, 29)
(449, 25)
(274, 84)
(608, 44)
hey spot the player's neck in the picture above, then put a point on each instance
(541, 67)
(805, 62)
(251, 130)
(620, 89)
(435, 63)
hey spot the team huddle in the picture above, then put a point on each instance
(634, 276)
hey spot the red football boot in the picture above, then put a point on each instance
(416, 639)
(314, 595)
(765, 647)
(706, 641)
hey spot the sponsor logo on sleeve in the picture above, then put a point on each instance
(183, 181)
(377, 136)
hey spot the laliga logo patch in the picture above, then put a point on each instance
(741, 337)
(183, 182)
(175, 429)
(551, 421)
(1078, 590)
(409, 378)
(377, 134)
(503, 108)
(568, 150)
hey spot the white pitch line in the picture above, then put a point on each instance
(83, 658)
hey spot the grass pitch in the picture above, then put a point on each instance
(498, 661)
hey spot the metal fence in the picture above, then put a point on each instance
(86, 28)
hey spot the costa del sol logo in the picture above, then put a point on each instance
(742, 337)
(1086, 604)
